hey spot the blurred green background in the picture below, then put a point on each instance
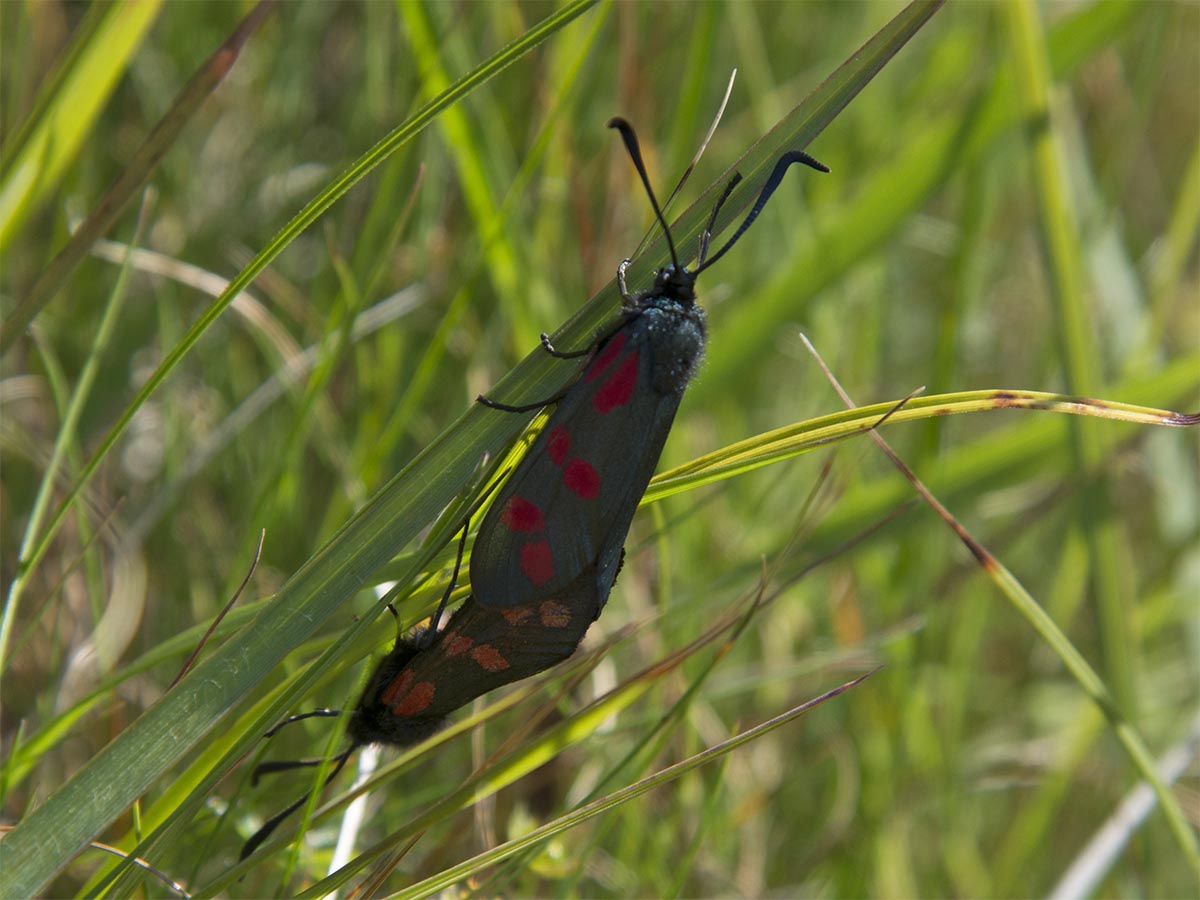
(964, 240)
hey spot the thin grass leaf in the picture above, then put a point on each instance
(139, 169)
(64, 116)
(464, 870)
(1087, 678)
(1078, 348)
(786, 443)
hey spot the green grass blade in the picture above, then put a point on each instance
(1079, 352)
(452, 875)
(143, 164)
(64, 119)
(67, 436)
(785, 443)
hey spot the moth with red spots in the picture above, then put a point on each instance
(568, 506)
(548, 551)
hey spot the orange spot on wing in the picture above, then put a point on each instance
(397, 688)
(555, 614)
(456, 644)
(516, 615)
(490, 658)
(416, 700)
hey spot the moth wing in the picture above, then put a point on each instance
(480, 650)
(569, 504)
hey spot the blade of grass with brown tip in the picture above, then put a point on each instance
(1087, 678)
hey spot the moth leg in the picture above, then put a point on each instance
(322, 713)
(272, 823)
(562, 354)
(522, 407)
(431, 632)
(588, 351)
(625, 295)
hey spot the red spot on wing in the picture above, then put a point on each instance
(554, 614)
(416, 700)
(397, 688)
(618, 386)
(610, 352)
(557, 444)
(537, 562)
(490, 658)
(582, 479)
(456, 644)
(521, 515)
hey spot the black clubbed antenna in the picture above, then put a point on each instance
(781, 167)
(635, 153)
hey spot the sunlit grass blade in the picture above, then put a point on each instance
(143, 164)
(786, 443)
(1079, 351)
(62, 119)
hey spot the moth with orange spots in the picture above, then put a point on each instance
(549, 549)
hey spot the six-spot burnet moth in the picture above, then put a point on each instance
(549, 549)
(569, 504)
